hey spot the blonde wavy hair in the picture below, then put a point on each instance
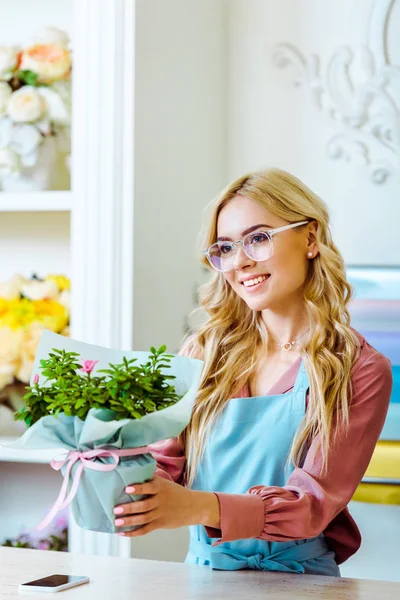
(234, 336)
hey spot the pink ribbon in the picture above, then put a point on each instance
(86, 461)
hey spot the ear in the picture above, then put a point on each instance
(312, 248)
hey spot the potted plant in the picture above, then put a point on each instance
(104, 407)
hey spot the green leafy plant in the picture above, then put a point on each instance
(29, 78)
(129, 389)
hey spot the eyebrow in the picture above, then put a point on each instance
(246, 231)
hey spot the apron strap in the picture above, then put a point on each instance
(302, 383)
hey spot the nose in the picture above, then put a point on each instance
(241, 260)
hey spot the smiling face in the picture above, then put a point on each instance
(275, 283)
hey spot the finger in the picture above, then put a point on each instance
(141, 506)
(139, 532)
(133, 521)
(151, 487)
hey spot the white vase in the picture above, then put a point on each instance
(36, 178)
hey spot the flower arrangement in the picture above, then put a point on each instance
(104, 411)
(35, 98)
(128, 389)
(27, 307)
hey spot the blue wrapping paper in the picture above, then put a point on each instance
(99, 492)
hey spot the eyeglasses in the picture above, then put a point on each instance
(257, 245)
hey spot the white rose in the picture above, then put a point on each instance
(5, 93)
(10, 345)
(28, 347)
(6, 127)
(52, 35)
(10, 289)
(24, 372)
(25, 139)
(10, 162)
(58, 110)
(26, 105)
(8, 61)
(39, 290)
(7, 372)
(65, 299)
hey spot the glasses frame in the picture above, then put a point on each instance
(271, 233)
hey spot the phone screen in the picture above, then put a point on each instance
(54, 580)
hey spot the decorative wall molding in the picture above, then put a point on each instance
(359, 94)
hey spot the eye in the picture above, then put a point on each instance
(225, 248)
(259, 238)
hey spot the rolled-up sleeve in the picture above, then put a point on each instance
(170, 459)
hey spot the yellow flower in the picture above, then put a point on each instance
(51, 314)
(20, 314)
(4, 306)
(62, 282)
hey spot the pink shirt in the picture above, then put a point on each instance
(309, 503)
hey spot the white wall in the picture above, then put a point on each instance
(273, 123)
(378, 557)
(27, 492)
(193, 136)
(180, 150)
(180, 147)
(34, 242)
(20, 19)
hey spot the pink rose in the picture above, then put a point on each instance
(36, 378)
(89, 365)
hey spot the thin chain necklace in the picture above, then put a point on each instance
(287, 346)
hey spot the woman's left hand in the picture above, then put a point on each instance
(169, 506)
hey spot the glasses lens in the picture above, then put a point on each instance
(221, 256)
(258, 245)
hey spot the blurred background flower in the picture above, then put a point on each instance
(35, 105)
(54, 537)
(27, 306)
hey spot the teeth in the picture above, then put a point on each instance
(251, 282)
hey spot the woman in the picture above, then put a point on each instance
(292, 399)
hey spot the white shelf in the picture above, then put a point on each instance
(25, 456)
(36, 201)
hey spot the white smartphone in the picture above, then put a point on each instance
(53, 583)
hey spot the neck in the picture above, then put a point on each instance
(284, 328)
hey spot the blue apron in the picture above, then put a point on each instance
(248, 446)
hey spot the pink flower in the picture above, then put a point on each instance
(89, 365)
(44, 545)
(61, 523)
(36, 378)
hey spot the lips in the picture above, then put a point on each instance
(255, 280)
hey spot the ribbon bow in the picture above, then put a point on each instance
(230, 560)
(86, 461)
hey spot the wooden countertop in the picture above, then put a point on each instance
(127, 579)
